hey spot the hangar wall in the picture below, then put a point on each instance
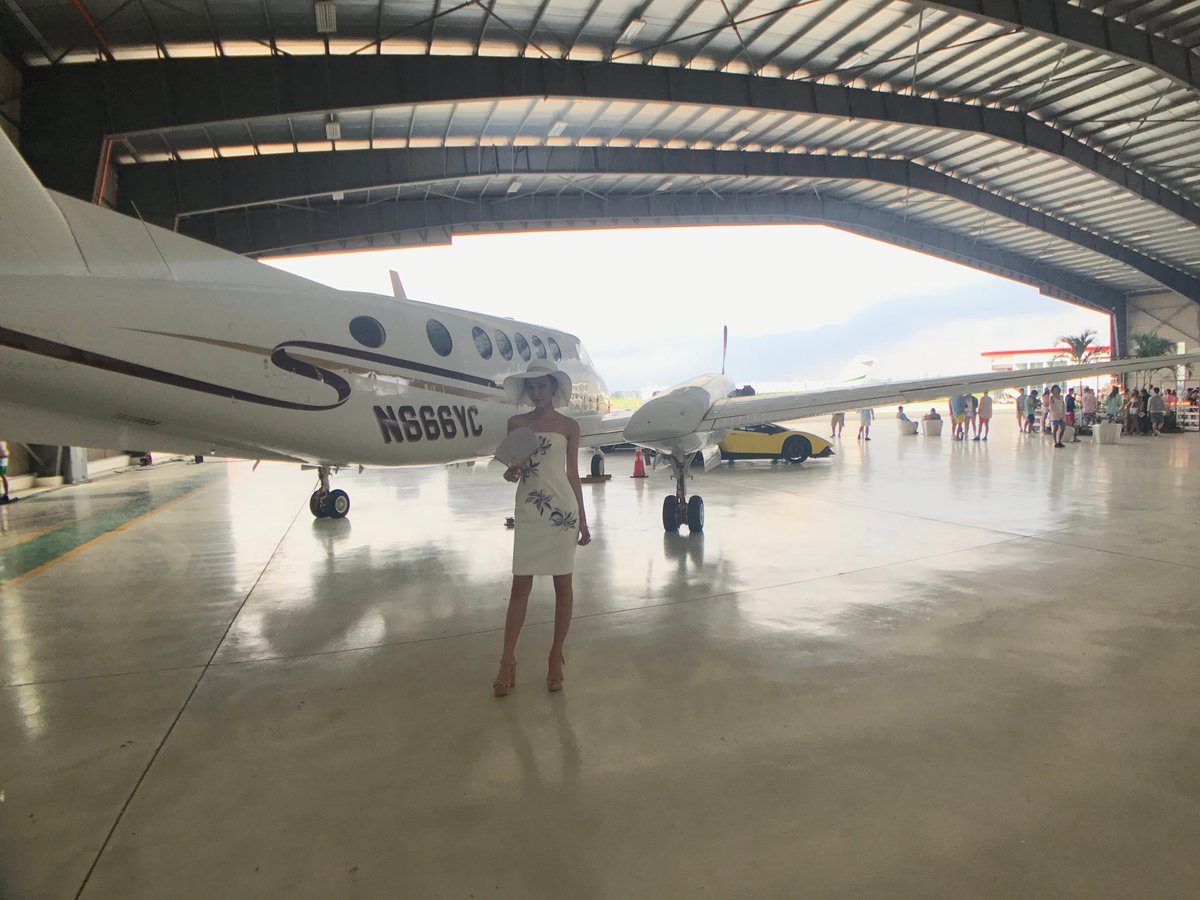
(1167, 314)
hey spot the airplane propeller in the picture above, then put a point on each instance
(724, 348)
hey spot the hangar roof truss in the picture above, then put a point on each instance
(1053, 140)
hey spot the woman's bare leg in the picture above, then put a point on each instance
(564, 602)
(518, 603)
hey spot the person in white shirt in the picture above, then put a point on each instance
(865, 415)
(1089, 406)
(985, 417)
(1058, 415)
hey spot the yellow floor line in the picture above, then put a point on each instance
(24, 576)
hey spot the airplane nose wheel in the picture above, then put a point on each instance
(327, 504)
(678, 509)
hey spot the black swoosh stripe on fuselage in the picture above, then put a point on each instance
(65, 352)
(279, 358)
(363, 355)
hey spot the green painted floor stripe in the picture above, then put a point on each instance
(27, 556)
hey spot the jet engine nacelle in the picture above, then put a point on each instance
(670, 421)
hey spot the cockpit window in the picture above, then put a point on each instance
(439, 337)
(522, 345)
(504, 344)
(367, 331)
(554, 350)
(538, 347)
(483, 343)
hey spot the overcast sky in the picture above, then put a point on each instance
(800, 300)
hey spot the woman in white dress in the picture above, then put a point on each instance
(550, 518)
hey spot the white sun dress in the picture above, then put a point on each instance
(547, 514)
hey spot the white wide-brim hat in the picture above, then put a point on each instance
(514, 385)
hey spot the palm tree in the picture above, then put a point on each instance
(1079, 345)
(1147, 343)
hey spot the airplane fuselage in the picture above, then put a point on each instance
(315, 375)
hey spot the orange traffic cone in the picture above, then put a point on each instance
(639, 468)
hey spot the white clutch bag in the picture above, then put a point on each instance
(517, 447)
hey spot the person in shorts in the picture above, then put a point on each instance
(1031, 405)
(836, 423)
(985, 417)
(972, 417)
(1158, 411)
(958, 416)
(1057, 414)
(865, 415)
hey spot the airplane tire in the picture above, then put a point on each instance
(315, 506)
(671, 512)
(597, 465)
(796, 449)
(337, 504)
(695, 515)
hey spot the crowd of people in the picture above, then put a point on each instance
(970, 416)
(1140, 411)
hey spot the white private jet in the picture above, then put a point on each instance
(115, 333)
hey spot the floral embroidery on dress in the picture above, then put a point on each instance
(541, 500)
(530, 469)
(563, 519)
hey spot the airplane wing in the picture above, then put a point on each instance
(604, 430)
(733, 411)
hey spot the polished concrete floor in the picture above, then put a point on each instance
(920, 669)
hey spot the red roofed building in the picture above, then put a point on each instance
(1019, 360)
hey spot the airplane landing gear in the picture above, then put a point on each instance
(677, 508)
(327, 504)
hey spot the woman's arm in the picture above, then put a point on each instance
(585, 536)
(513, 473)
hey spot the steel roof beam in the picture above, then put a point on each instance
(272, 230)
(313, 175)
(292, 179)
(192, 89)
(1062, 21)
(19, 14)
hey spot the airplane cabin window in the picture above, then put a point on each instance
(554, 349)
(483, 343)
(538, 347)
(439, 337)
(367, 331)
(522, 345)
(504, 344)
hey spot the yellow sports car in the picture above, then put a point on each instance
(773, 442)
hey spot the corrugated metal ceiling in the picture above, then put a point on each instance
(1117, 77)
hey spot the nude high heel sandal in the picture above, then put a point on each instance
(506, 679)
(554, 678)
